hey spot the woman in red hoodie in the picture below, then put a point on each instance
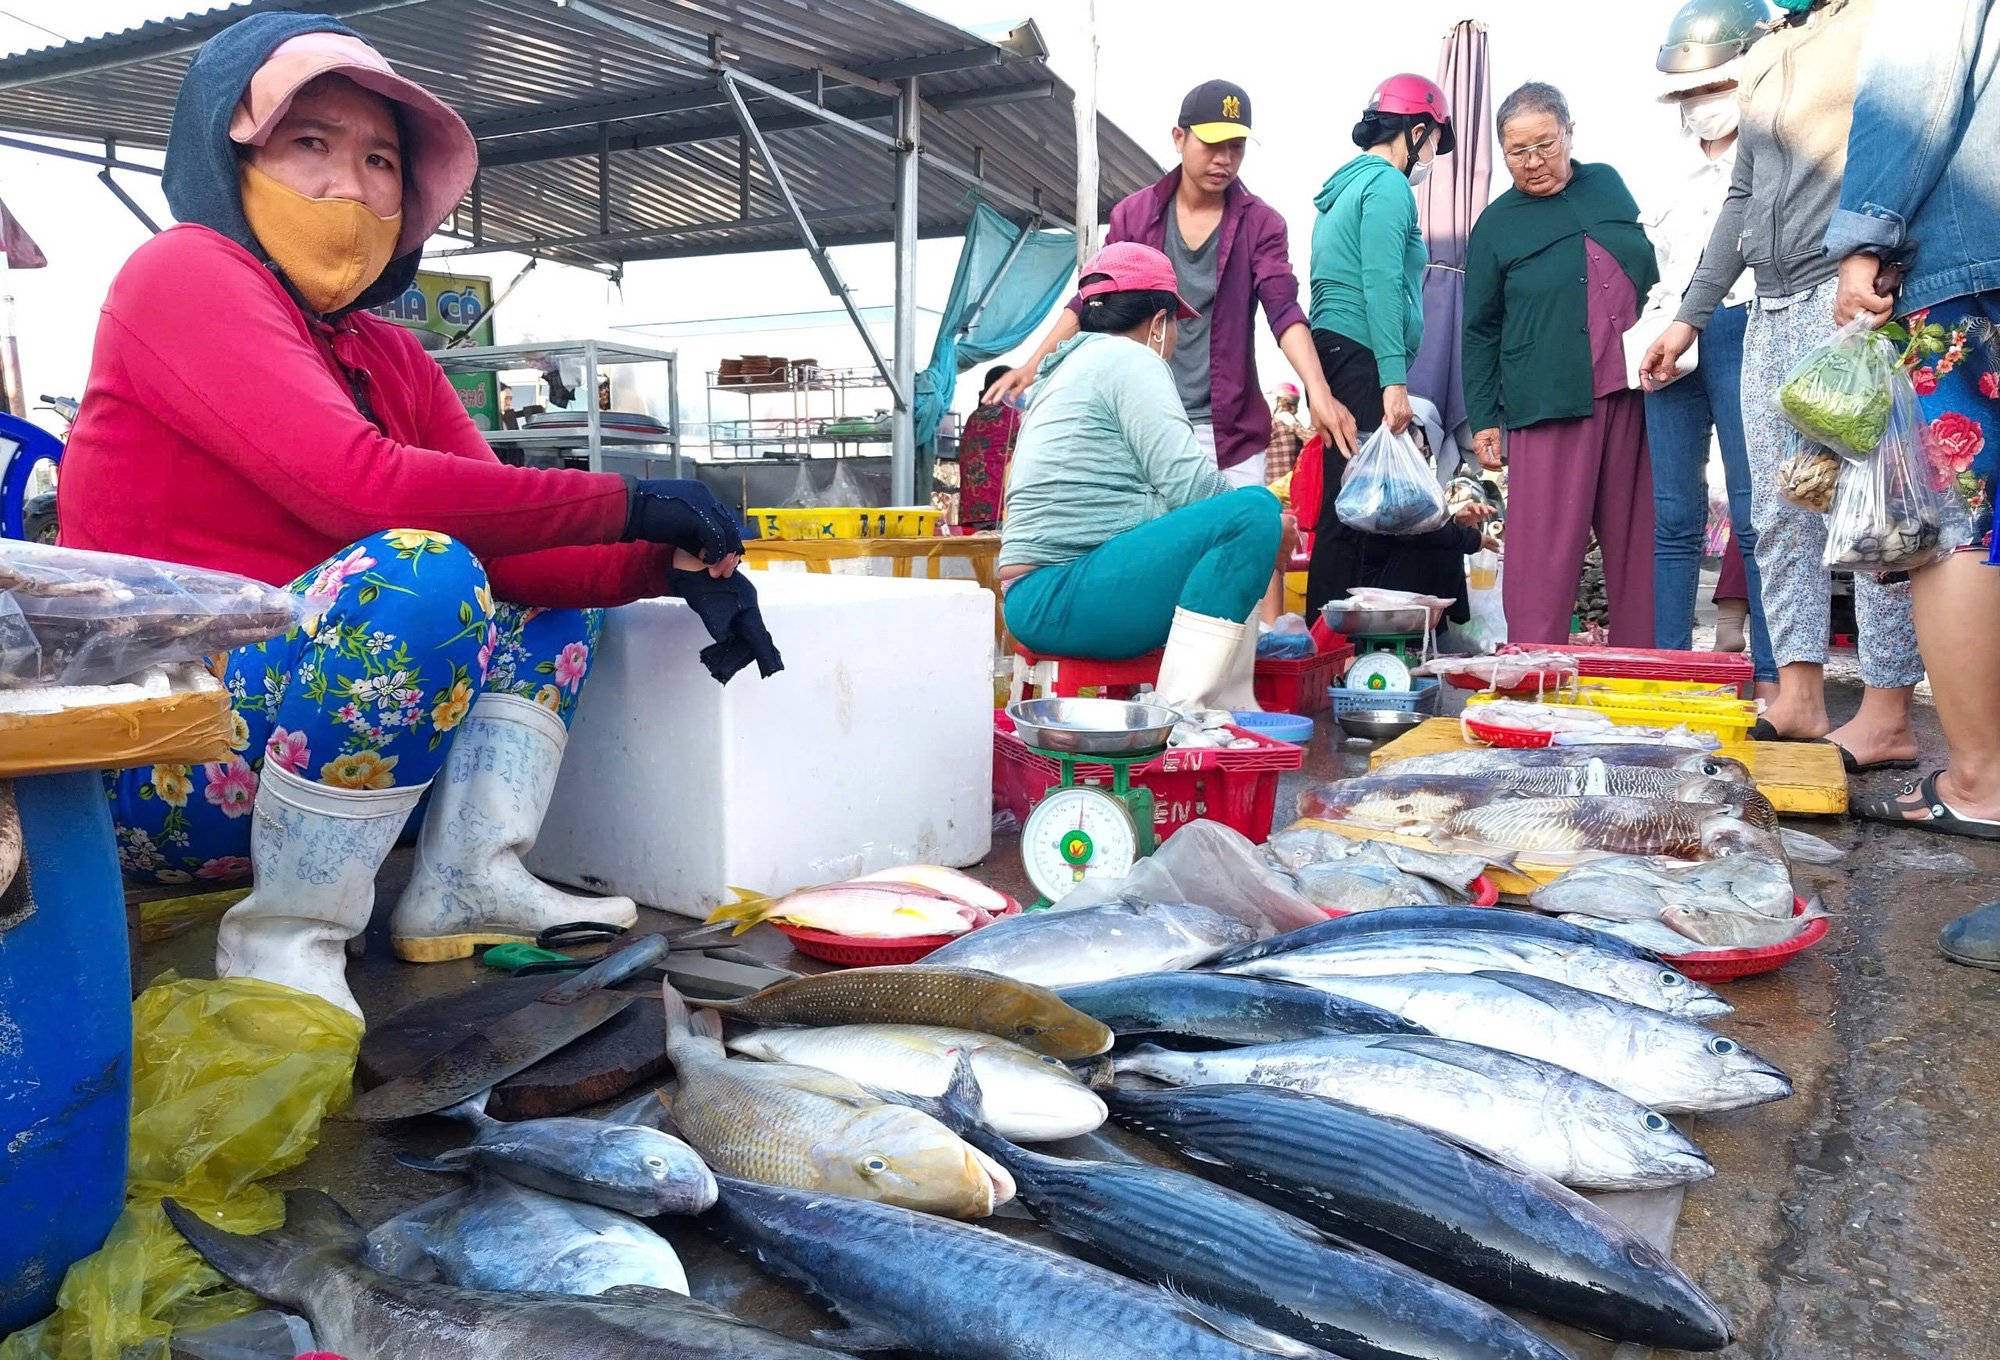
(246, 412)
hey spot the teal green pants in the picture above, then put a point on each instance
(1117, 601)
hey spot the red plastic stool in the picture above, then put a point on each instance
(1062, 676)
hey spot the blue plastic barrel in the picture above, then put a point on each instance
(65, 1045)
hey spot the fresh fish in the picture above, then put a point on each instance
(1500, 1233)
(958, 998)
(1809, 849)
(1028, 1096)
(1640, 781)
(1062, 948)
(503, 1236)
(1226, 1008)
(876, 911)
(803, 1127)
(903, 1279)
(1357, 885)
(1615, 974)
(1630, 754)
(950, 882)
(1714, 929)
(1228, 1250)
(1458, 920)
(1653, 936)
(1633, 888)
(618, 1166)
(1673, 1065)
(1529, 1113)
(1608, 825)
(1300, 847)
(1396, 800)
(312, 1265)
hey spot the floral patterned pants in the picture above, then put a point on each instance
(363, 696)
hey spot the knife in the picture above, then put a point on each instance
(566, 1012)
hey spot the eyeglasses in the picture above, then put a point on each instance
(1540, 151)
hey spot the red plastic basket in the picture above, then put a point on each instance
(1299, 685)
(1727, 965)
(855, 951)
(1636, 663)
(1494, 735)
(1237, 788)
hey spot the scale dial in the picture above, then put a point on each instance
(1077, 833)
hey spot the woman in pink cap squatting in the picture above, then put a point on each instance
(454, 600)
(1120, 534)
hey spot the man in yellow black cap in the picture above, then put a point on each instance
(1230, 253)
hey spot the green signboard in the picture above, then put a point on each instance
(445, 304)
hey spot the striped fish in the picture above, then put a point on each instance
(1610, 825)
(1230, 1251)
(1504, 1235)
(1654, 756)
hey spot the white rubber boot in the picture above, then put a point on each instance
(314, 851)
(1199, 654)
(468, 886)
(1238, 690)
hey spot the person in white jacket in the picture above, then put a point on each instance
(1699, 61)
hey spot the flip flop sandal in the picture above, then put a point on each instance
(1853, 766)
(1940, 818)
(1761, 730)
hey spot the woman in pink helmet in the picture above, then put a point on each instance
(1367, 275)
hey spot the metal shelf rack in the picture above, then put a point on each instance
(793, 417)
(596, 355)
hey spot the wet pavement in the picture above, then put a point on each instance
(1861, 1218)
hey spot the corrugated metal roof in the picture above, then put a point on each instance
(540, 84)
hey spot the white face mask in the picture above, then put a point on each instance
(1420, 172)
(1711, 117)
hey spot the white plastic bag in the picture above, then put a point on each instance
(1888, 512)
(1213, 866)
(1488, 628)
(1390, 488)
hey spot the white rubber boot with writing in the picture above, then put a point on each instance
(1199, 654)
(314, 852)
(468, 887)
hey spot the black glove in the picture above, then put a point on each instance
(683, 514)
(727, 607)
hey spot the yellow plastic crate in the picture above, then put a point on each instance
(1676, 689)
(830, 521)
(1726, 719)
(899, 521)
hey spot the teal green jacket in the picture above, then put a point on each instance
(1368, 262)
(1527, 328)
(1105, 447)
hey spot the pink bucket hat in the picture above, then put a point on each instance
(1134, 268)
(441, 155)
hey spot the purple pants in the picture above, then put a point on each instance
(1565, 477)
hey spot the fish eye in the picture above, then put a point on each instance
(654, 1163)
(1655, 1122)
(1669, 978)
(1052, 1062)
(1028, 1031)
(873, 1166)
(1721, 1047)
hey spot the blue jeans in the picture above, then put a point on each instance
(1678, 421)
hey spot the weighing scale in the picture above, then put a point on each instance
(1081, 831)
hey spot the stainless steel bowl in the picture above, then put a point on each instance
(1380, 724)
(1352, 622)
(1092, 727)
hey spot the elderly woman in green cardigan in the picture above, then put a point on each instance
(1555, 272)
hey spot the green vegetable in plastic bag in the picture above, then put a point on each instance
(1840, 394)
(230, 1080)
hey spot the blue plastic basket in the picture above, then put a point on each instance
(1292, 727)
(1423, 699)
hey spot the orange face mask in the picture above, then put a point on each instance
(331, 249)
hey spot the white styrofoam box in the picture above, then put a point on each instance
(873, 747)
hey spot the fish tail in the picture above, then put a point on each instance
(262, 1263)
(450, 1163)
(1808, 848)
(962, 1107)
(684, 1023)
(471, 1110)
(746, 911)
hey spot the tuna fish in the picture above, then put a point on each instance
(1227, 1008)
(312, 1265)
(1458, 920)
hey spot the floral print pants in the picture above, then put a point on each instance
(365, 695)
(1958, 387)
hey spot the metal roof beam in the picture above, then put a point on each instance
(104, 159)
(641, 141)
(637, 234)
(177, 36)
(865, 238)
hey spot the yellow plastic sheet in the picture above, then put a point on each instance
(230, 1081)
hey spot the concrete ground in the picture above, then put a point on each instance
(1861, 1218)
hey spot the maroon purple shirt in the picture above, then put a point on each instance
(1253, 265)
